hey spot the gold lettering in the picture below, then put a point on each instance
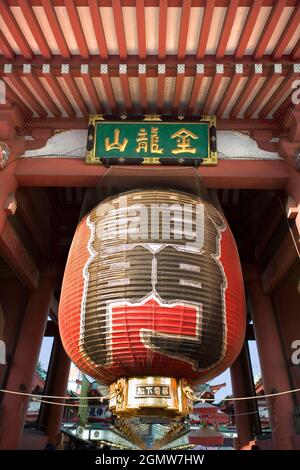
(142, 141)
(154, 141)
(115, 145)
(183, 139)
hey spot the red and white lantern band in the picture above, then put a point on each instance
(152, 298)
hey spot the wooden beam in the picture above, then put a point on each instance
(91, 89)
(296, 51)
(283, 259)
(230, 89)
(177, 93)
(155, 3)
(56, 28)
(6, 48)
(35, 29)
(77, 28)
(126, 92)
(227, 28)
(162, 28)
(244, 95)
(287, 34)
(119, 27)
(14, 100)
(57, 90)
(270, 220)
(268, 30)
(161, 80)
(98, 28)
(227, 174)
(285, 85)
(25, 93)
(194, 93)
(109, 93)
(184, 28)
(205, 28)
(141, 28)
(190, 61)
(247, 29)
(261, 95)
(143, 92)
(17, 257)
(43, 94)
(213, 88)
(71, 84)
(15, 30)
(223, 124)
(31, 220)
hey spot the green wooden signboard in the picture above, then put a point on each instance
(152, 140)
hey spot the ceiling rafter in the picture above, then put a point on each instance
(143, 92)
(269, 28)
(15, 100)
(6, 48)
(98, 28)
(228, 93)
(296, 51)
(205, 28)
(244, 95)
(109, 93)
(184, 28)
(178, 91)
(72, 85)
(284, 86)
(77, 28)
(195, 92)
(161, 82)
(287, 34)
(24, 92)
(141, 28)
(15, 30)
(45, 97)
(119, 27)
(58, 92)
(247, 29)
(125, 91)
(92, 92)
(162, 28)
(227, 28)
(35, 28)
(261, 95)
(213, 88)
(56, 29)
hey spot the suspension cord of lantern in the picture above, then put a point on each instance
(192, 396)
(41, 396)
(188, 391)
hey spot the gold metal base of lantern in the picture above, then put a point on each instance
(145, 396)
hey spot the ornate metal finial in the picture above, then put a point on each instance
(4, 154)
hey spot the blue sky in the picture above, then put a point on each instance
(225, 377)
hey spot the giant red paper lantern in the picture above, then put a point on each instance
(140, 301)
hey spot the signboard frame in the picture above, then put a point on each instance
(157, 120)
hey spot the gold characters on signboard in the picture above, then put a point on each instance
(151, 144)
(116, 145)
(143, 140)
(183, 139)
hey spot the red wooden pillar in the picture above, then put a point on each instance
(62, 362)
(273, 366)
(245, 410)
(293, 190)
(23, 366)
(8, 184)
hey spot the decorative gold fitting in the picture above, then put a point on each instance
(152, 395)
